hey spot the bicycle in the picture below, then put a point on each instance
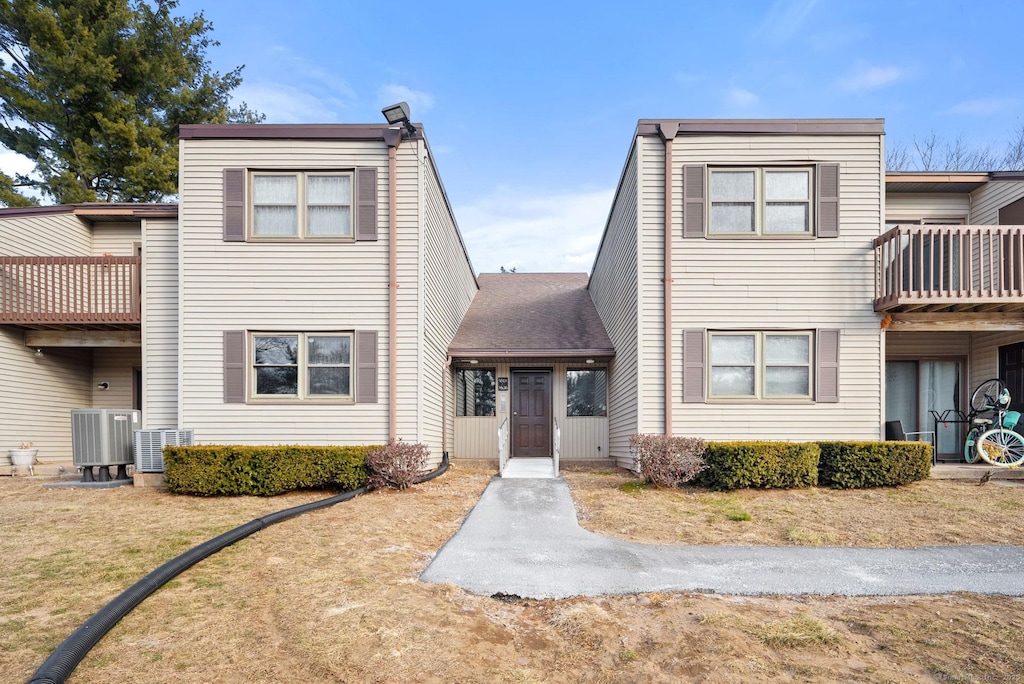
(994, 440)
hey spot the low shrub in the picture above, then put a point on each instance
(762, 465)
(667, 461)
(210, 470)
(855, 465)
(397, 464)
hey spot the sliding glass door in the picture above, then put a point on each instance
(913, 389)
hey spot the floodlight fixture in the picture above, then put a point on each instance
(399, 114)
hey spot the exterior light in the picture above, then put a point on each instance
(590, 361)
(39, 353)
(473, 362)
(398, 114)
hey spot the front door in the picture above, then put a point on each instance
(531, 414)
(1011, 372)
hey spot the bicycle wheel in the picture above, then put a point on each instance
(1001, 447)
(986, 397)
(971, 445)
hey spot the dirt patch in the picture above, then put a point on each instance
(334, 595)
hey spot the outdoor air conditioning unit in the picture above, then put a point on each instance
(102, 437)
(149, 447)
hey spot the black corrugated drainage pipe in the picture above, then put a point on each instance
(66, 657)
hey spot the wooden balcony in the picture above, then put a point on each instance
(60, 292)
(951, 269)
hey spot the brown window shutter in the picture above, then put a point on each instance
(693, 366)
(234, 367)
(828, 200)
(693, 200)
(234, 205)
(366, 366)
(826, 376)
(366, 204)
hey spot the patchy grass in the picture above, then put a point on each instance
(334, 596)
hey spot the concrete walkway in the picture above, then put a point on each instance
(523, 539)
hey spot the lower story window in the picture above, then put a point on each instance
(474, 392)
(302, 365)
(587, 392)
(760, 365)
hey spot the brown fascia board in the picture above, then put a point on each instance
(647, 127)
(531, 353)
(96, 210)
(289, 131)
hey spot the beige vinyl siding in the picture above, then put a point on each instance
(985, 354)
(283, 286)
(651, 258)
(914, 207)
(410, 313)
(116, 239)
(614, 289)
(991, 197)
(53, 235)
(39, 394)
(448, 288)
(781, 284)
(581, 437)
(160, 324)
(114, 365)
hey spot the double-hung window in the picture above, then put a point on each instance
(760, 365)
(301, 205)
(302, 365)
(761, 201)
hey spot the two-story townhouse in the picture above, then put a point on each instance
(766, 279)
(755, 279)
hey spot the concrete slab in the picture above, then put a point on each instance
(523, 539)
(529, 468)
(110, 484)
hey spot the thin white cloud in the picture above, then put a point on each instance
(517, 228)
(12, 163)
(419, 101)
(283, 103)
(741, 97)
(984, 106)
(867, 77)
(784, 20)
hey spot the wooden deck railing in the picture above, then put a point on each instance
(948, 265)
(70, 290)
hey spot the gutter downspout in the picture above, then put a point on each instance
(668, 133)
(393, 138)
(445, 369)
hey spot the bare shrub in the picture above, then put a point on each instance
(397, 464)
(668, 461)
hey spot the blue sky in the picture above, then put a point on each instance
(530, 106)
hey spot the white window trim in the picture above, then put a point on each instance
(301, 207)
(760, 374)
(760, 203)
(303, 369)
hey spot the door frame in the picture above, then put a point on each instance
(550, 372)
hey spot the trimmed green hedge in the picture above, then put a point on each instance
(764, 465)
(263, 470)
(855, 465)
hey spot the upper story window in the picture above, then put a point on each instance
(474, 392)
(302, 365)
(761, 201)
(301, 205)
(760, 365)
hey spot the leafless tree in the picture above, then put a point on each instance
(933, 153)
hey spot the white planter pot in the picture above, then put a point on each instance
(22, 457)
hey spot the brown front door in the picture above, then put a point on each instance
(1011, 371)
(531, 414)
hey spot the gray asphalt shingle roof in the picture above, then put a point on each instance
(532, 314)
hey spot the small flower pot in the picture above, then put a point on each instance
(23, 458)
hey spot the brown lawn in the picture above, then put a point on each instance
(334, 596)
